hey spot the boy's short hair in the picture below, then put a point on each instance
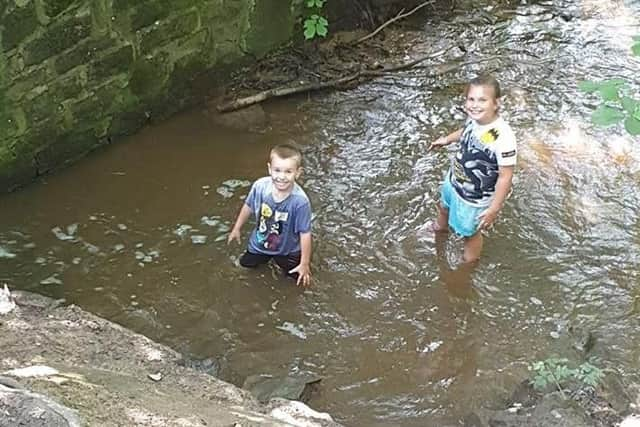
(485, 80)
(286, 151)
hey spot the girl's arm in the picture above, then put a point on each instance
(503, 186)
(446, 140)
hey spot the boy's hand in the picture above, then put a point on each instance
(304, 275)
(234, 235)
(440, 142)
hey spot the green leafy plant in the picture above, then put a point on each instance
(557, 371)
(617, 103)
(315, 24)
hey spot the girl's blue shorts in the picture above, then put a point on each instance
(463, 217)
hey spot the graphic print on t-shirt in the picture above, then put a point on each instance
(270, 227)
(475, 169)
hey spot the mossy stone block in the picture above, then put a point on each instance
(148, 13)
(128, 122)
(174, 28)
(66, 149)
(54, 8)
(18, 24)
(15, 170)
(271, 24)
(185, 70)
(149, 75)
(31, 78)
(85, 52)
(120, 6)
(13, 123)
(114, 62)
(58, 37)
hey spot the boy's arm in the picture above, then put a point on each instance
(446, 140)
(243, 216)
(503, 185)
(304, 268)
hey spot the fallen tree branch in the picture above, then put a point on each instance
(278, 92)
(392, 20)
(368, 74)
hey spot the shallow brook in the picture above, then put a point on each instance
(137, 232)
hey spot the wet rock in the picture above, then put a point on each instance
(250, 118)
(524, 395)
(209, 365)
(32, 300)
(298, 414)
(9, 382)
(24, 408)
(551, 411)
(265, 388)
(582, 339)
(614, 391)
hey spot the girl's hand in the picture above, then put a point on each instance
(487, 218)
(440, 142)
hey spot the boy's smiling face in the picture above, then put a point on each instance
(284, 172)
(481, 104)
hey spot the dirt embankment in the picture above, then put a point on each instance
(85, 370)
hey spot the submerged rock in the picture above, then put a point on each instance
(250, 118)
(209, 365)
(265, 388)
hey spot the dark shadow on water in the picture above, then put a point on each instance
(457, 278)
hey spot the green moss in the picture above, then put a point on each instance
(149, 75)
(147, 14)
(83, 53)
(116, 62)
(31, 78)
(15, 169)
(65, 149)
(185, 72)
(176, 27)
(55, 7)
(18, 24)
(101, 16)
(64, 34)
(13, 123)
(128, 122)
(271, 24)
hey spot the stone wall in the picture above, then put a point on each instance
(77, 74)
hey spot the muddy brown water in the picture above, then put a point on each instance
(401, 335)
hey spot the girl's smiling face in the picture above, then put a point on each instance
(481, 104)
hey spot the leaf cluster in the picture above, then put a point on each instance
(617, 103)
(315, 25)
(557, 371)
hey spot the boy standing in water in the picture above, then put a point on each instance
(479, 179)
(283, 217)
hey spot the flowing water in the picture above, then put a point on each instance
(400, 332)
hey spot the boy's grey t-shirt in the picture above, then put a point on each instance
(278, 224)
